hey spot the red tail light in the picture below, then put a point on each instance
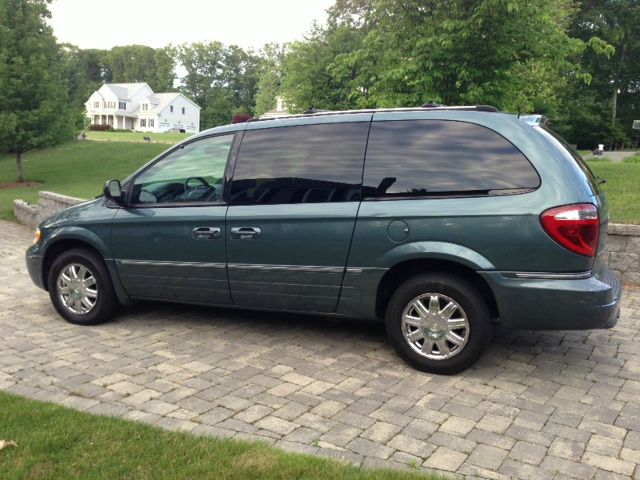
(575, 227)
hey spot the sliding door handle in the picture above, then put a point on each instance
(245, 233)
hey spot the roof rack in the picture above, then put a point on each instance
(430, 105)
(478, 108)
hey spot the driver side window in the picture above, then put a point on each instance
(193, 173)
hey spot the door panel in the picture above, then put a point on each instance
(293, 202)
(159, 257)
(170, 244)
(297, 262)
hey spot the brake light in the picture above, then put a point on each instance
(575, 227)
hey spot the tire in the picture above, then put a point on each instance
(409, 327)
(90, 303)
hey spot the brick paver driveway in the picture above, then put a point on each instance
(538, 405)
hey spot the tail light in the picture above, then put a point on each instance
(575, 227)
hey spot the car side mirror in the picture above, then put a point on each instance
(113, 191)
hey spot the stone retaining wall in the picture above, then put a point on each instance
(623, 243)
(623, 251)
(48, 204)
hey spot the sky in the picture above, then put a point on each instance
(156, 23)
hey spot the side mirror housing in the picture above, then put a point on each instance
(113, 191)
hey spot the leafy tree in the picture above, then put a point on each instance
(220, 79)
(312, 76)
(616, 24)
(270, 77)
(84, 70)
(140, 63)
(34, 104)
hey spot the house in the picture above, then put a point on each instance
(134, 106)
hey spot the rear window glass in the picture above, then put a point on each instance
(572, 155)
(424, 157)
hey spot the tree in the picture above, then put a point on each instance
(616, 24)
(270, 78)
(34, 104)
(140, 63)
(218, 78)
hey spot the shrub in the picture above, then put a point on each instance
(634, 159)
(241, 118)
(101, 128)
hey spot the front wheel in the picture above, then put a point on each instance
(438, 323)
(80, 288)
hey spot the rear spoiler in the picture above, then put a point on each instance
(534, 120)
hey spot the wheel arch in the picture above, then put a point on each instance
(60, 245)
(402, 271)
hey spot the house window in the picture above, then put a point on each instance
(171, 108)
(96, 104)
(145, 106)
(143, 122)
(122, 105)
(151, 122)
(183, 110)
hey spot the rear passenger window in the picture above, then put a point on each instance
(440, 157)
(302, 164)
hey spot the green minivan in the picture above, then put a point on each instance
(441, 221)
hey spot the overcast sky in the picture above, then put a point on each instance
(247, 23)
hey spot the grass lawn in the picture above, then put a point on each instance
(169, 137)
(59, 443)
(622, 189)
(78, 169)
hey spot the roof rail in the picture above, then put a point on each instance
(479, 108)
(429, 105)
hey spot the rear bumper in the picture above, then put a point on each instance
(557, 304)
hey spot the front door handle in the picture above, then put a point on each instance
(206, 233)
(245, 233)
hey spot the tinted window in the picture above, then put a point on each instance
(571, 154)
(192, 173)
(303, 164)
(423, 157)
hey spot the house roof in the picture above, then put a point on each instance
(160, 101)
(125, 91)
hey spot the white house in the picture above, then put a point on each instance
(134, 106)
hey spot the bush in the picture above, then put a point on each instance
(634, 159)
(101, 128)
(241, 118)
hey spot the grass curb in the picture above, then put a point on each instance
(56, 442)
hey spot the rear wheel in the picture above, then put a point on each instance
(438, 323)
(80, 288)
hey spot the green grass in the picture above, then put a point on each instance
(169, 137)
(634, 159)
(622, 189)
(78, 169)
(59, 443)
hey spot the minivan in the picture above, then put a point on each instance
(440, 221)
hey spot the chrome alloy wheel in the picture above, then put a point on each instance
(77, 288)
(435, 326)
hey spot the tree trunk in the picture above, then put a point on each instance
(19, 166)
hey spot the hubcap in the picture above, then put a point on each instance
(77, 289)
(435, 326)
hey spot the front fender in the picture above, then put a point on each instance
(77, 234)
